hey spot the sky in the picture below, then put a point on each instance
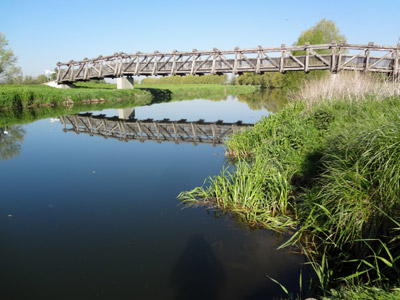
(45, 32)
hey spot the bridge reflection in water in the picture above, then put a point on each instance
(181, 131)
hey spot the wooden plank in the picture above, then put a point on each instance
(367, 54)
(319, 57)
(194, 57)
(271, 60)
(295, 59)
(333, 57)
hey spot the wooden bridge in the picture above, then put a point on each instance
(199, 132)
(333, 57)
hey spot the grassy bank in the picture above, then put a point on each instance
(12, 96)
(9, 117)
(330, 170)
(192, 91)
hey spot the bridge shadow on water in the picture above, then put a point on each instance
(197, 274)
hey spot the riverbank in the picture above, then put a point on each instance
(330, 171)
(13, 96)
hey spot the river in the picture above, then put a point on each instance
(83, 216)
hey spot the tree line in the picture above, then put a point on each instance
(188, 79)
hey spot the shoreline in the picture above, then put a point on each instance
(17, 96)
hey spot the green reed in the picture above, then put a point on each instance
(332, 170)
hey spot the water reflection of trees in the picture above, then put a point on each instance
(197, 274)
(11, 139)
(270, 99)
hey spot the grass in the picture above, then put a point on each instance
(13, 96)
(330, 169)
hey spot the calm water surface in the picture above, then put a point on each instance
(85, 217)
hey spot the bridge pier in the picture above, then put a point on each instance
(126, 113)
(124, 83)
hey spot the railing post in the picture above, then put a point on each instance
(137, 63)
(235, 64)
(396, 53)
(259, 57)
(283, 55)
(214, 61)
(173, 62)
(154, 73)
(367, 55)
(307, 62)
(58, 72)
(340, 57)
(71, 75)
(333, 58)
(193, 62)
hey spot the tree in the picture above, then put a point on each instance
(266, 80)
(41, 79)
(11, 139)
(324, 32)
(8, 69)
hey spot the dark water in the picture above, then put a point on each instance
(85, 217)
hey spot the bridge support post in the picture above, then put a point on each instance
(124, 83)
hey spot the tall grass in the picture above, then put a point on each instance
(255, 193)
(331, 168)
(349, 86)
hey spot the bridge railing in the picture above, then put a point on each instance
(333, 57)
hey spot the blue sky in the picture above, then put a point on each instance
(41, 33)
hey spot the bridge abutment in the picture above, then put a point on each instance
(125, 83)
(63, 86)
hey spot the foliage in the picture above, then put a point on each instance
(324, 32)
(189, 79)
(27, 79)
(192, 91)
(266, 80)
(7, 60)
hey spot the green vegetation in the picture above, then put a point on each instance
(192, 91)
(7, 60)
(189, 79)
(331, 171)
(12, 96)
(324, 32)
(266, 80)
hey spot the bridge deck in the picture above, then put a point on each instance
(149, 130)
(333, 57)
